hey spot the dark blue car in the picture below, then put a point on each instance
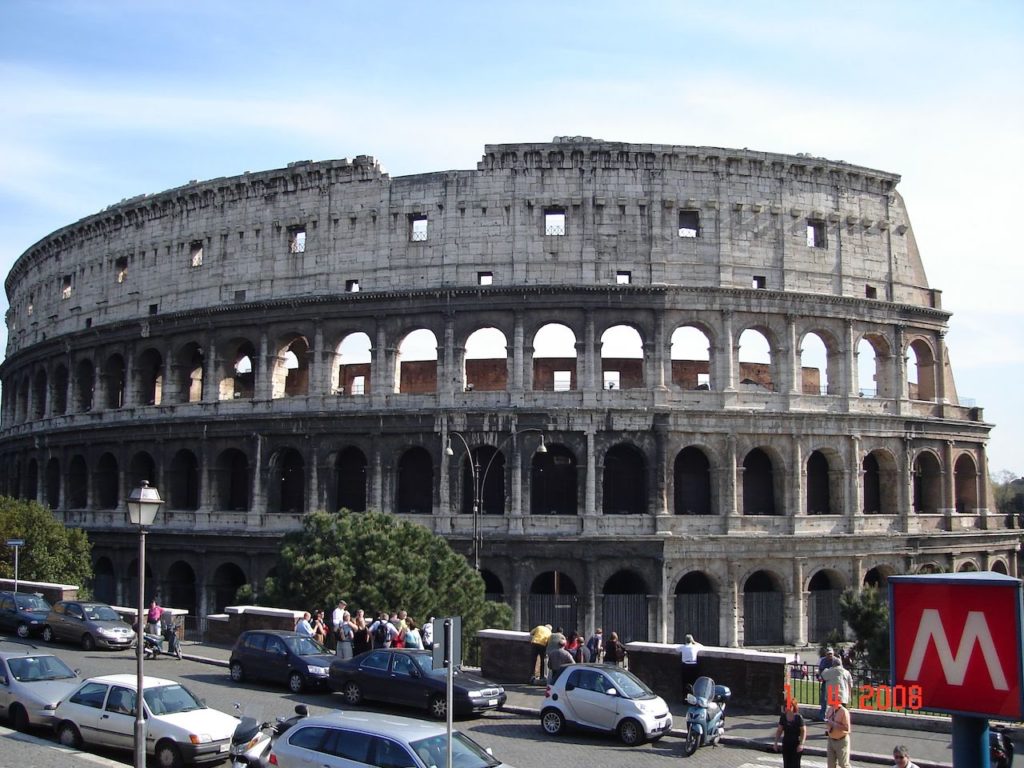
(276, 656)
(23, 613)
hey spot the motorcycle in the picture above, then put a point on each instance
(1000, 747)
(253, 739)
(152, 644)
(705, 719)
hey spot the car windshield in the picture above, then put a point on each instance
(32, 669)
(31, 603)
(424, 661)
(100, 613)
(627, 685)
(466, 753)
(305, 646)
(169, 699)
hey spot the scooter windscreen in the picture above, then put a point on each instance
(704, 690)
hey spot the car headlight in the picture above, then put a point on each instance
(318, 671)
(199, 738)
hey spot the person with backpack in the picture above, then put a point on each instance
(382, 632)
(596, 644)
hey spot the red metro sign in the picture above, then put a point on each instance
(958, 637)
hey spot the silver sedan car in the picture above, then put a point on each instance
(31, 684)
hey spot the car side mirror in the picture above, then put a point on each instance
(570, 686)
(612, 692)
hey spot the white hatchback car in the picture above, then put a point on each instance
(179, 727)
(604, 697)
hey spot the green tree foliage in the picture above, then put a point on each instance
(867, 614)
(377, 562)
(52, 552)
(1009, 494)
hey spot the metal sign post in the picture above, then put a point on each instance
(449, 653)
(17, 544)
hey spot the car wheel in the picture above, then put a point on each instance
(352, 693)
(631, 732)
(168, 756)
(68, 735)
(48, 634)
(692, 739)
(88, 644)
(237, 673)
(552, 721)
(295, 682)
(22, 630)
(18, 717)
(438, 708)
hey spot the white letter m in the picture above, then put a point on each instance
(955, 669)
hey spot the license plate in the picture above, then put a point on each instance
(492, 702)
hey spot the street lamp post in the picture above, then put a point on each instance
(143, 504)
(480, 480)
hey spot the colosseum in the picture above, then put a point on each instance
(654, 388)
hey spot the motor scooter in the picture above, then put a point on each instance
(1000, 747)
(705, 719)
(253, 738)
(170, 634)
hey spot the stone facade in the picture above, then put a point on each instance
(578, 317)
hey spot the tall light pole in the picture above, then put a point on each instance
(480, 480)
(143, 504)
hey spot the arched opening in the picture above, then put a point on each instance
(920, 371)
(878, 577)
(622, 358)
(494, 590)
(132, 579)
(814, 366)
(60, 390)
(31, 490)
(753, 352)
(150, 377)
(696, 609)
(191, 362)
(39, 390)
(78, 483)
(181, 587)
(691, 359)
(624, 606)
(287, 490)
(489, 469)
(486, 361)
(233, 481)
(183, 481)
(53, 483)
(553, 482)
(758, 484)
(967, 566)
(867, 369)
(416, 363)
(819, 497)
(999, 567)
(141, 469)
(692, 482)
(104, 581)
(554, 359)
(966, 481)
(227, 580)
(823, 616)
(291, 371)
(763, 610)
(106, 482)
(415, 482)
(113, 381)
(238, 380)
(624, 481)
(352, 374)
(350, 479)
(927, 484)
(85, 385)
(553, 600)
(872, 485)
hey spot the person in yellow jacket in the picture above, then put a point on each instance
(539, 637)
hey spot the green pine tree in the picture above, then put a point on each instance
(52, 552)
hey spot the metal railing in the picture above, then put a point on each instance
(871, 690)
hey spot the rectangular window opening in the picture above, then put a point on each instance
(689, 223)
(554, 222)
(196, 253)
(622, 277)
(65, 287)
(760, 282)
(703, 381)
(870, 292)
(484, 278)
(351, 286)
(121, 267)
(358, 385)
(563, 381)
(240, 296)
(297, 240)
(815, 233)
(153, 308)
(418, 228)
(88, 322)
(611, 380)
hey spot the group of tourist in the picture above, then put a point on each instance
(553, 650)
(351, 634)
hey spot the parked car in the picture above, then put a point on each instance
(23, 613)
(407, 677)
(91, 624)
(180, 728)
(343, 739)
(31, 684)
(604, 697)
(280, 657)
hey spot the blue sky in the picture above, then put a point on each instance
(104, 100)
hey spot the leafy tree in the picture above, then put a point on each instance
(867, 614)
(52, 552)
(1008, 490)
(377, 562)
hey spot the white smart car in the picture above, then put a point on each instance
(604, 697)
(179, 727)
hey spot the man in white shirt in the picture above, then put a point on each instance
(303, 627)
(688, 655)
(337, 618)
